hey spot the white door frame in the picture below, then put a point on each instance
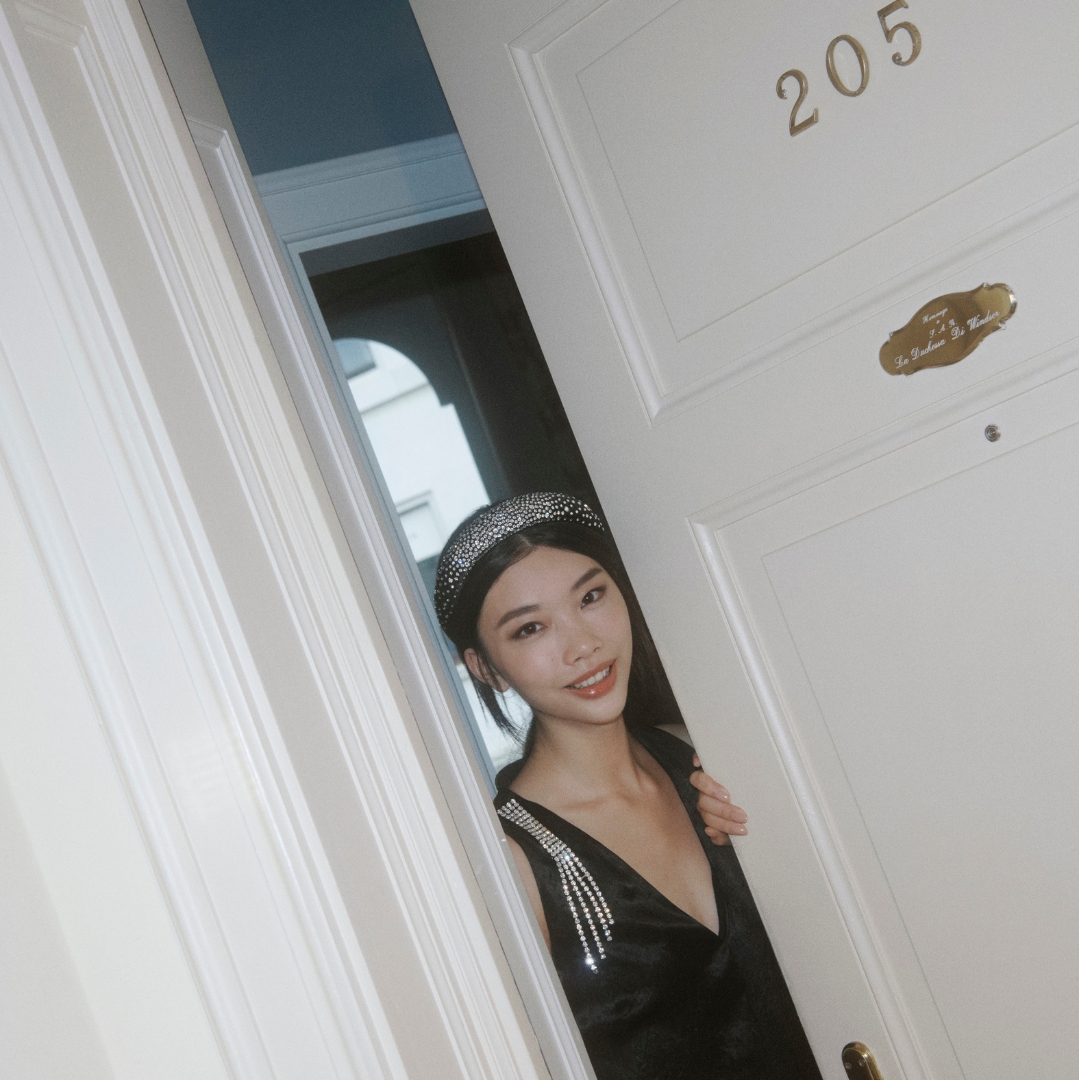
(267, 893)
(378, 551)
(371, 527)
(129, 565)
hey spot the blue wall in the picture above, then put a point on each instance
(308, 80)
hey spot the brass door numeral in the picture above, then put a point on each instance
(859, 1062)
(890, 32)
(864, 65)
(795, 125)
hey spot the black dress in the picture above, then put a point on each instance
(656, 994)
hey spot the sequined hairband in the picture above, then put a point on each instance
(494, 524)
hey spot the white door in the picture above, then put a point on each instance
(865, 600)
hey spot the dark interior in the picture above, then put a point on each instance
(455, 311)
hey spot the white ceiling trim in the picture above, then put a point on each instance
(347, 198)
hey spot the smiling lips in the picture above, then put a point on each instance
(596, 683)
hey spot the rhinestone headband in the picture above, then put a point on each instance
(494, 524)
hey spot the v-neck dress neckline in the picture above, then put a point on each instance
(656, 994)
(577, 838)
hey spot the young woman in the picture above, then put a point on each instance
(651, 927)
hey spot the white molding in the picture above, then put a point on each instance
(320, 1015)
(458, 972)
(333, 202)
(247, 881)
(948, 410)
(439, 903)
(913, 281)
(706, 528)
(525, 51)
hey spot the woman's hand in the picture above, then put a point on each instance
(721, 816)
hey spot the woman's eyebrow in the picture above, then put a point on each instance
(586, 577)
(515, 613)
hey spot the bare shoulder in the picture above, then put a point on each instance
(528, 879)
(679, 731)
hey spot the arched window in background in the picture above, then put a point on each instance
(422, 450)
(429, 471)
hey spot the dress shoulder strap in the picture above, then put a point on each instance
(675, 756)
(583, 897)
(508, 774)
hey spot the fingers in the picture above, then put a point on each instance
(708, 786)
(723, 836)
(732, 825)
(721, 817)
(719, 826)
(721, 813)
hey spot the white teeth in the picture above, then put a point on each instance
(600, 676)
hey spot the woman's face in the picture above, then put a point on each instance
(556, 629)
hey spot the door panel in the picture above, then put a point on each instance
(711, 294)
(875, 605)
(723, 233)
(907, 617)
(710, 126)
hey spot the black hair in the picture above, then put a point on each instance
(649, 700)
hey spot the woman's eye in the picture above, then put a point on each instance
(527, 630)
(592, 596)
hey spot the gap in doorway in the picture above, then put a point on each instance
(454, 393)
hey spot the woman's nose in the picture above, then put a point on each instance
(581, 642)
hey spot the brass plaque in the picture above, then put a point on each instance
(947, 329)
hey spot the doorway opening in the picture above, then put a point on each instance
(372, 200)
(455, 398)
(409, 292)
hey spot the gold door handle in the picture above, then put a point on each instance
(859, 1062)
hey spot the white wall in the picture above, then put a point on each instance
(210, 752)
(46, 1029)
(93, 981)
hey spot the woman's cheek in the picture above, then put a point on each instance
(533, 669)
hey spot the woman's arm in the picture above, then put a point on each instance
(721, 816)
(528, 879)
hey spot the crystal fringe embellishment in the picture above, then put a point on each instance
(581, 892)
